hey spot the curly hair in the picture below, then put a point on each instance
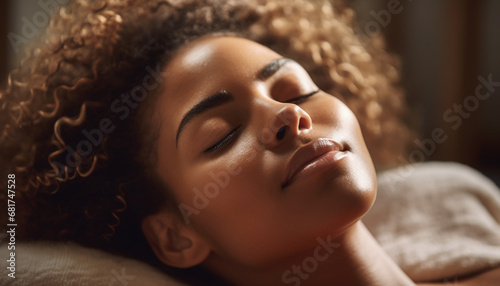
(82, 150)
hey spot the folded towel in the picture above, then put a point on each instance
(437, 220)
(54, 264)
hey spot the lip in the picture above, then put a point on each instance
(312, 157)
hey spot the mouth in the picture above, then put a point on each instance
(313, 157)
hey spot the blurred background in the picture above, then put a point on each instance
(448, 48)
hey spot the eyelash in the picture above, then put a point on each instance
(233, 132)
(223, 141)
(302, 97)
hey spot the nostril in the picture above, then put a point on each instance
(304, 123)
(281, 132)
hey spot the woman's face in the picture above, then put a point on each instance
(261, 162)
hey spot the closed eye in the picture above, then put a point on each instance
(234, 132)
(223, 141)
(301, 98)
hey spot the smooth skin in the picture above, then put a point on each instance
(225, 167)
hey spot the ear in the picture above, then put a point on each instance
(174, 243)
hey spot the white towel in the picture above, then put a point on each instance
(437, 220)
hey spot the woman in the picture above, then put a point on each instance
(315, 176)
(223, 138)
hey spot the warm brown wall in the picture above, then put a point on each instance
(445, 46)
(3, 40)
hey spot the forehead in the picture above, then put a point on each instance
(216, 58)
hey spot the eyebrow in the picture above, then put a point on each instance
(221, 97)
(217, 99)
(271, 68)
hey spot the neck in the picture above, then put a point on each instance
(354, 258)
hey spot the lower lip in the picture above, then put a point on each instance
(323, 162)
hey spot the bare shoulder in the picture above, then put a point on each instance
(487, 278)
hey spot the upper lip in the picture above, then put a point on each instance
(308, 153)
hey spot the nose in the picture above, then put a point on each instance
(289, 121)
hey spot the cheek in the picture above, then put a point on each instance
(238, 221)
(334, 119)
(354, 190)
(229, 202)
(362, 177)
